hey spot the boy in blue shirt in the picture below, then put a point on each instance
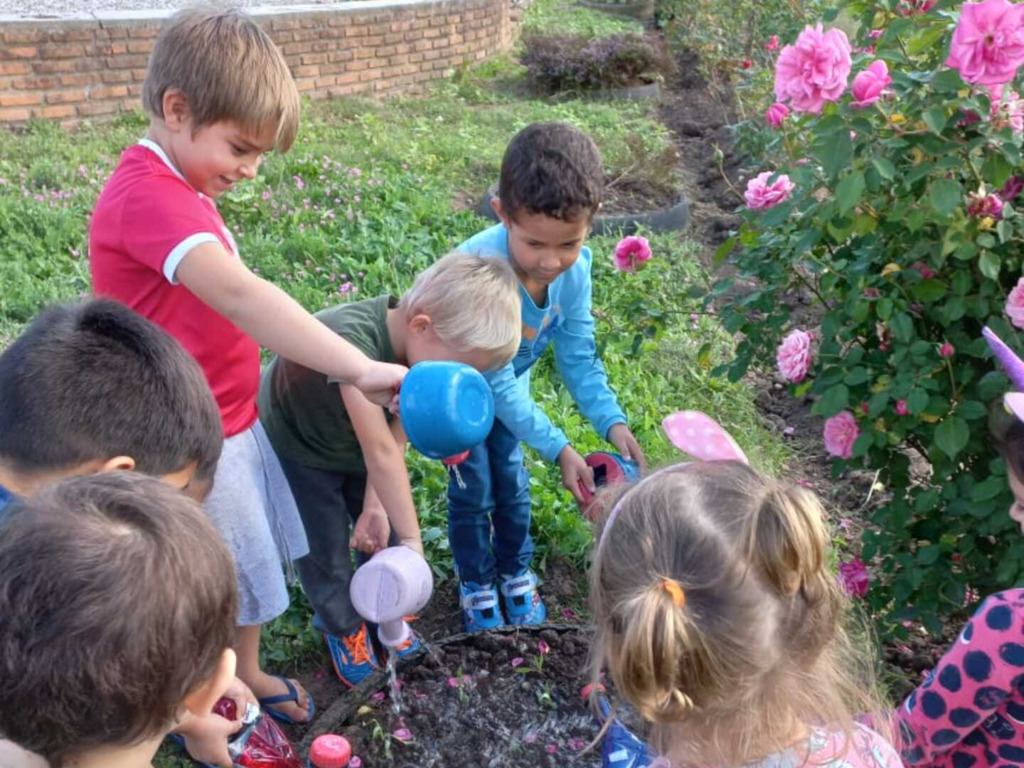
(550, 189)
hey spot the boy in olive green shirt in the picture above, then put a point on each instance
(344, 456)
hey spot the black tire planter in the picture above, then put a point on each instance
(646, 92)
(670, 219)
(347, 705)
(638, 9)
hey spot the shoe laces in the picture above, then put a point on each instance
(358, 647)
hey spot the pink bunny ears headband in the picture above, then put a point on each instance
(695, 434)
(1014, 367)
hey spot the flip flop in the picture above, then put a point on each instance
(292, 695)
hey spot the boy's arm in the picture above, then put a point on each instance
(372, 530)
(276, 321)
(385, 466)
(970, 681)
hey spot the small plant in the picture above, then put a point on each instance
(567, 63)
(544, 697)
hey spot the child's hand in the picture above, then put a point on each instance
(574, 472)
(371, 531)
(207, 737)
(380, 384)
(415, 543)
(627, 446)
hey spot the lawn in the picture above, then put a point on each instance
(371, 194)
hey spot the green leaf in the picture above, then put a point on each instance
(928, 291)
(834, 400)
(935, 119)
(988, 489)
(917, 400)
(925, 39)
(885, 168)
(857, 376)
(849, 192)
(951, 436)
(877, 404)
(954, 309)
(724, 250)
(990, 264)
(836, 151)
(902, 327)
(945, 196)
(929, 555)
(884, 308)
(985, 240)
(996, 169)
(863, 443)
(972, 410)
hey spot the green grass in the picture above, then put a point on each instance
(371, 194)
(566, 17)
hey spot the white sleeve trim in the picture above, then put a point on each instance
(181, 250)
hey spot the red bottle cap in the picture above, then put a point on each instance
(330, 751)
(226, 708)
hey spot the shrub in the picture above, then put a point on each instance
(896, 216)
(559, 63)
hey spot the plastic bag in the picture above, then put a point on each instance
(260, 743)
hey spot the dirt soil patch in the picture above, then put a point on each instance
(637, 195)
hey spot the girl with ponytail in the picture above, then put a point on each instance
(720, 619)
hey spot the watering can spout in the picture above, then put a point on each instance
(392, 634)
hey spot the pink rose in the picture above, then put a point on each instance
(772, 44)
(794, 356)
(776, 114)
(631, 253)
(1007, 111)
(988, 44)
(914, 7)
(1015, 304)
(980, 206)
(746, 64)
(926, 272)
(874, 34)
(869, 84)
(814, 70)
(840, 433)
(947, 350)
(853, 575)
(901, 408)
(761, 195)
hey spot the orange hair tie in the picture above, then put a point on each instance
(675, 591)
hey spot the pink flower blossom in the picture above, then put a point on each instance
(746, 64)
(761, 195)
(853, 575)
(452, 682)
(874, 34)
(377, 697)
(868, 85)
(551, 749)
(776, 114)
(1007, 111)
(299, 183)
(988, 44)
(543, 648)
(901, 408)
(814, 70)
(355, 762)
(946, 350)
(1013, 187)
(577, 744)
(924, 269)
(841, 432)
(794, 356)
(772, 44)
(1015, 304)
(517, 662)
(980, 206)
(631, 253)
(402, 734)
(914, 7)
(530, 738)
(569, 614)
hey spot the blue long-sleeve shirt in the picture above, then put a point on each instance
(566, 321)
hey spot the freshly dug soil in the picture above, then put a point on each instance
(637, 195)
(493, 700)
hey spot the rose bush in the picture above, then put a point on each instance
(899, 223)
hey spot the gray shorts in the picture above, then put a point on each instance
(252, 507)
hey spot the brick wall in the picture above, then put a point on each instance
(91, 65)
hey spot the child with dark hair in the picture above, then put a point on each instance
(551, 185)
(94, 387)
(119, 606)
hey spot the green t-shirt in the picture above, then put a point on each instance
(302, 410)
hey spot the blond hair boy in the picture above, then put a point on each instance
(344, 456)
(220, 95)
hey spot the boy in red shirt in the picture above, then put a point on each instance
(220, 95)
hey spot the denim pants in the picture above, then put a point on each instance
(489, 519)
(329, 504)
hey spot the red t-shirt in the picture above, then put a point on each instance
(146, 221)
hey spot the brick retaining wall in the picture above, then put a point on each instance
(91, 65)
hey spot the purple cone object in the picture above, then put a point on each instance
(1012, 364)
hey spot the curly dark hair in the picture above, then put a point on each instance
(552, 169)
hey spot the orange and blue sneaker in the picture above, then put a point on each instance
(523, 605)
(353, 656)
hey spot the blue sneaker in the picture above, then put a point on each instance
(620, 748)
(480, 610)
(353, 656)
(523, 605)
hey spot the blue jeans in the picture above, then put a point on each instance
(489, 519)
